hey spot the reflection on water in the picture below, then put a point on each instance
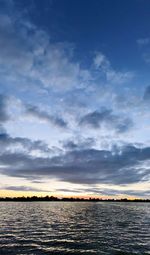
(74, 228)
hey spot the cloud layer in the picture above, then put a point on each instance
(73, 117)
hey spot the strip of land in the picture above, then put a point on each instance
(66, 199)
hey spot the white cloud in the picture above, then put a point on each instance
(102, 64)
(146, 57)
(31, 64)
(144, 44)
(100, 61)
(29, 52)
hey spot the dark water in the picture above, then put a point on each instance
(74, 228)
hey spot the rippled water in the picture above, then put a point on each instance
(74, 228)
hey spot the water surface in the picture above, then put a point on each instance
(39, 228)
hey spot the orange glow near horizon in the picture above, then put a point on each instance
(10, 193)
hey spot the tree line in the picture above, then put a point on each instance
(66, 199)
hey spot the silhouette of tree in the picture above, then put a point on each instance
(66, 199)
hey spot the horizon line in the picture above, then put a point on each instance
(63, 199)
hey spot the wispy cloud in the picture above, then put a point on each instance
(106, 117)
(144, 44)
(103, 64)
(63, 115)
(37, 58)
(23, 188)
(44, 116)
(143, 41)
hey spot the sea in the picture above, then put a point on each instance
(89, 228)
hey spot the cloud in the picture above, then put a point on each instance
(114, 192)
(14, 56)
(38, 61)
(144, 44)
(70, 190)
(79, 143)
(146, 57)
(36, 58)
(43, 115)
(3, 109)
(23, 188)
(138, 193)
(124, 165)
(107, 192)
(147, 94)
(39, 71)
(97, 118)
(100, 61)
(102, 64)
(143, 41)
(13, 144)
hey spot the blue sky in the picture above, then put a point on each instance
(75, 97)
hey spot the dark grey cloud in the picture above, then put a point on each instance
(7, 142)
(139, 193)
(3, 109)
(42, 115)
(107, 191)
(97, 118)
(113, 192)
(69, 190)
(78, 144)
(23, 188)
(147, 94)
(89, 166)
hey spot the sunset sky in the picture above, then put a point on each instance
(75, 98)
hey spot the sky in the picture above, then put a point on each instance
(75, 98)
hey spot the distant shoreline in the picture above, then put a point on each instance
(65, 199)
